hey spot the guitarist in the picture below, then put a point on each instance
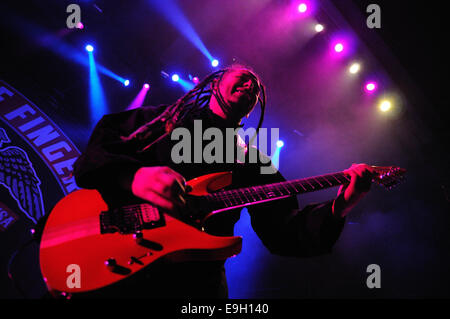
(128, 159)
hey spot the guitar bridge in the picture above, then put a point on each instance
(131, 219)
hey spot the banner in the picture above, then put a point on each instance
(36, 160)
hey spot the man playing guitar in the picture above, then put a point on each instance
(128, 161)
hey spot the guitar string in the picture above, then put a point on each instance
(236, 195)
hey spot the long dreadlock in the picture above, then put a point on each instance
(192, 103)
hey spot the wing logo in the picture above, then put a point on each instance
(19, 177)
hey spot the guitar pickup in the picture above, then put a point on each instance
(131, 219)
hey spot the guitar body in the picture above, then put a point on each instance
(72, 242)
(85, 246)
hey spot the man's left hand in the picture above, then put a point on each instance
(350, 194)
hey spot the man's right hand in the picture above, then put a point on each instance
(160, 186)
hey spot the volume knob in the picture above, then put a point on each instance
(111, 263)
(138, 237)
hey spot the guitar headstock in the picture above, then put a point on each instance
(388, 176)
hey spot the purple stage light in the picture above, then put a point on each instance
(146, 86)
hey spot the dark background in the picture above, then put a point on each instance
(327, 123)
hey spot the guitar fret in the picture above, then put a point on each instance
(257, 192)
(268, 192)
(225, 200)
(279, 187)
(246, 198)
(299, 183)
(306, 180)
(284, 186)
(324, 178)
(344, 176)
(235, 195)
(253, 198)
(292, 186)
(318, 182)
(254, 194)
(334, 176)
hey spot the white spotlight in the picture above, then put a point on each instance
(319, 27)
(354, 68)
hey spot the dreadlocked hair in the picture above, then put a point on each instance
(191, 104)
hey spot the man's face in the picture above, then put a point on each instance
(239, 90)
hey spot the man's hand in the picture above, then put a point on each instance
(160, 186)
(350, 194)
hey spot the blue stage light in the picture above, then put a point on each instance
(126, 82)
(89, 48)
(97, 98)
(280, 143)
(175, 77)
(215, 63)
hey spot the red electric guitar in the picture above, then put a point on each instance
(109, 246)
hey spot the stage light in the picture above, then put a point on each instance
(302, 8)
(319, 27)
(195, 79)
(126, 82)
(339, 47)
(280, 143)
(80, 25)
(97, 98)
(89, 48)
(215, 63)
(342, 44)
(385, 105)
(175, 77)
(354, 68)
(370, 87)
(139, 99)
(172, 11)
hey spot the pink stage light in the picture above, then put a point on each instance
(139, 99)
(370, 87)
(195, 79)
(339, 47)
(302, 8)
(342, 44)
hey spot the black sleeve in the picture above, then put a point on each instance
(109, 161)
(288, 231)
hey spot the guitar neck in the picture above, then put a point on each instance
(240, 197)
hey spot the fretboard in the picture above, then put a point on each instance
(257, 194)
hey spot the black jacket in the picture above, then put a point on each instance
(109, 164)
